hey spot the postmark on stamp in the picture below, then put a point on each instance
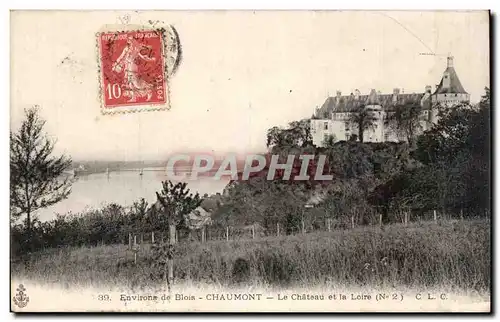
(134, 69)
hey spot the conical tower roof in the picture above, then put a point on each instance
(455, 87)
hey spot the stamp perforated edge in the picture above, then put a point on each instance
(169, 35)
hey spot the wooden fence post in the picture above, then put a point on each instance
(135, 249)
(435, 216)
(152, 237)
(278, 229)
(170, 261)
(461, 214)
(303, 227)
(380, 220)
(329, 223)
(352, 221)
(227, 233)
(142, 238)
(406, 218)
(130, 241)
(253, 231)
(203, 234)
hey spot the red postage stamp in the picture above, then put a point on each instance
(132, 70)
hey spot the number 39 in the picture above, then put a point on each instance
(114, 91)
(103, 297)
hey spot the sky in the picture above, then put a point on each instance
(242, 72)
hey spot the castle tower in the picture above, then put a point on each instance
(450, 91)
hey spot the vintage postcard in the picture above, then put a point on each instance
(250, 161)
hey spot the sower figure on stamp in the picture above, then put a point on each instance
(126, 62)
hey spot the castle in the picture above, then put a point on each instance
(332, 118)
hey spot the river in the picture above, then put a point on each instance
(121, 187)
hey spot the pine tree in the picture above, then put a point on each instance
(36, 177)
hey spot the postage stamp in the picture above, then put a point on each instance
(134, 68)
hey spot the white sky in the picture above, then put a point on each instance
(242, 72)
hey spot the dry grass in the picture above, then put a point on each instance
(451, 254)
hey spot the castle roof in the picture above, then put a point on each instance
(455, 85)
(349, 103)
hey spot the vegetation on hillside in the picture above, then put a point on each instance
(446, 169)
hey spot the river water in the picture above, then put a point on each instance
(123, 187)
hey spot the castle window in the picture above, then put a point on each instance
(456, 95)
(326, 126)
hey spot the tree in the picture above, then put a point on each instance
(177, 202)
(301, 132)
(297, 134)
(36, 178)
(404, 120)
(138, 216)
(363, 118)
(329, 141)
(485, 99)
(457, 153)
(349, 159)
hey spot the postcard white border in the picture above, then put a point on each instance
(200, 4)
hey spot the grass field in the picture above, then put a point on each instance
(451, 254)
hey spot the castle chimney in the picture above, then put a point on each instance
(339, 93)
(428, 88)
